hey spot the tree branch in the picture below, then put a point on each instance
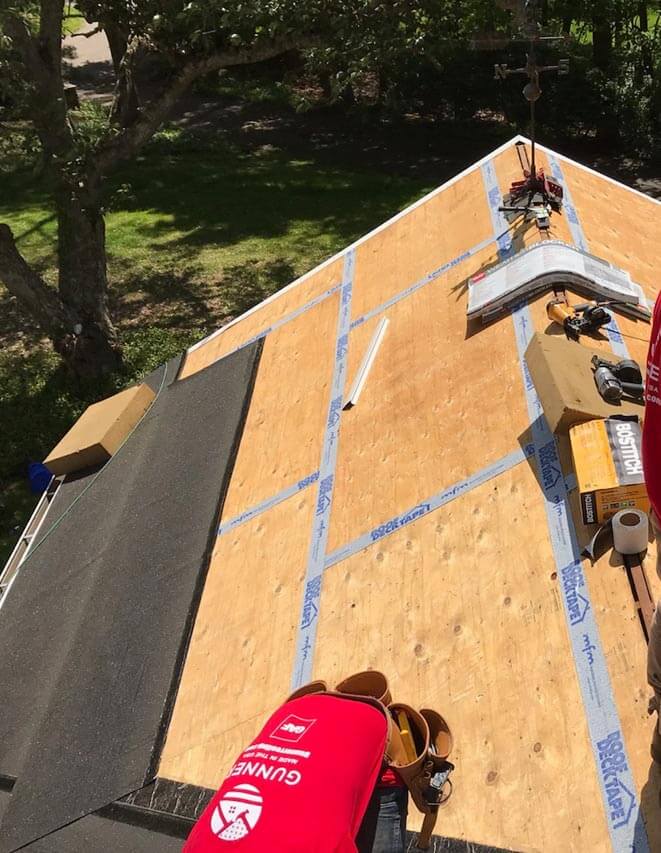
(51, 15)
(129, 141)
(30, 289)
(125, 104)
(87, 34)
(42, 60)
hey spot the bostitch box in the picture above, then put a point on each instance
(609, 467)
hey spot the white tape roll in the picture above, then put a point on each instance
(630, 531)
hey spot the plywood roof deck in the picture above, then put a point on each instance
(461, 606)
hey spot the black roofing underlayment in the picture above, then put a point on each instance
(148, 832)
(95, 628)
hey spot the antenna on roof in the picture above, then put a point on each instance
(535, 196)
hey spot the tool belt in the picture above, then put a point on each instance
(417, 747)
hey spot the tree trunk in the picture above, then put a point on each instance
(87, 348)
(602, 39)
(642, 13)
(117, 42)
(602, 55)
(83, 281)
(127, 101)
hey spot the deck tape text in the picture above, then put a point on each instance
(618, 789)
(613, 769)
(430, 505)
(307, 625)
(268, 503)
(617, 342)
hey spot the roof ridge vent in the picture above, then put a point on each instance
(548, 265)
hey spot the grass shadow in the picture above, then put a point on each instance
(246, 285)
(223, 199)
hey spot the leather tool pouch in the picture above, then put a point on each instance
(367, 683)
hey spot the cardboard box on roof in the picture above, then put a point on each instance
(609, 467)
(99, 431)
(561, 371)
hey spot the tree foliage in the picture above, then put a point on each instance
(411, 54)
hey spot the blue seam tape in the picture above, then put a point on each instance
(281, 322)
(403, 294)
(498, 221)
(615, 777)
(430, 505)
(268, 503)
(617, 342)
(425, 280)
(307, 626)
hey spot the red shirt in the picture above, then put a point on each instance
(652, 422)
(303, 784)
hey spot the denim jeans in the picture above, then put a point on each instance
(383, 829)
(654, 647)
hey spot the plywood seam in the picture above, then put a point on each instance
(618, 344)
(307, 626)
(408, 516)
(268, 503)
(428, 506)
(360, 240)
(590, 171)
(601, 712)
(425, 280)
(593, 678)
(275, 325)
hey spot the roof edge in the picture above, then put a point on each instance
(359, 241)
(591, 171)
(436, 191)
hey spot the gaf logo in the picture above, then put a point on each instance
(292, 729)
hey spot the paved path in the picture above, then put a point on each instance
(88, 63)
(87, 49)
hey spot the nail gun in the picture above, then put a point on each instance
(578, 320)
(615, 380)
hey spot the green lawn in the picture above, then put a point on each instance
(73, 20)
(198, 231)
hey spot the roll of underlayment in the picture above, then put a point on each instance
(630, 531)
